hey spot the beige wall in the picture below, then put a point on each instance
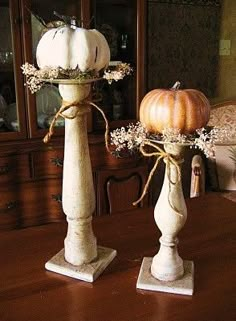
(227, 64)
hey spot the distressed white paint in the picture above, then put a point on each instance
(166, 271)
(78, 196)
(82, 259)
(184, 285)
(84, 272)
(170, 215)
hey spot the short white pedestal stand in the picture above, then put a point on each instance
(166, 271)
(81, 258)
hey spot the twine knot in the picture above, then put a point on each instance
(170, 160)
(159, 153)
(65, 106)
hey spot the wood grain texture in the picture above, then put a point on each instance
(29, 292)
(31, 180)
(118, 189)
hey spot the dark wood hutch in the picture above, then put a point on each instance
(31, 171)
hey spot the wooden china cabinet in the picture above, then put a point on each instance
(31, 171)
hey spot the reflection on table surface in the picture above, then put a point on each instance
(29, 292)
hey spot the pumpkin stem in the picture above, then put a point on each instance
(176, 86)
(70, 21)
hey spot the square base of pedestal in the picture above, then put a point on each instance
(85, 272)
(183, 286)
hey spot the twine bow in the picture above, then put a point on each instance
(66, 106)
(170, 160)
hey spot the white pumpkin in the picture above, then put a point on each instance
(70, 47)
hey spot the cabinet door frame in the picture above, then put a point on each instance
(140, 52)
(25, 6)
(34, 131)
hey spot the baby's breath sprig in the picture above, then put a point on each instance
(129, 139)
(173, 135)
(206, 140)
(132, 137)
(36, 78)
(119, 72)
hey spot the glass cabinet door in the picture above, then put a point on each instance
(12, 107)
(119, 21)
(39, 15)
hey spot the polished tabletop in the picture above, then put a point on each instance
(30, 293)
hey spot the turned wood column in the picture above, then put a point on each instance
(170, 215)
(78, 195)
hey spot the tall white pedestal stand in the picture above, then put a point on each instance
(166, 271)
(81, 258)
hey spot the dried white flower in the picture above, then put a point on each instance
(121, 70)
(206, 141)
(173, 135)
(35, 78)
(129, 138)
(135, 135)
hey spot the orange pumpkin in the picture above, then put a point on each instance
(186, 110)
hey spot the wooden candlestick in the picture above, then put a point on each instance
(81, 258)
(166, 271)
(170, 215)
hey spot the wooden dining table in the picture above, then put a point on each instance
(28, 292)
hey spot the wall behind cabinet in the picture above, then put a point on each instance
(227, 63)
(183, 41)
